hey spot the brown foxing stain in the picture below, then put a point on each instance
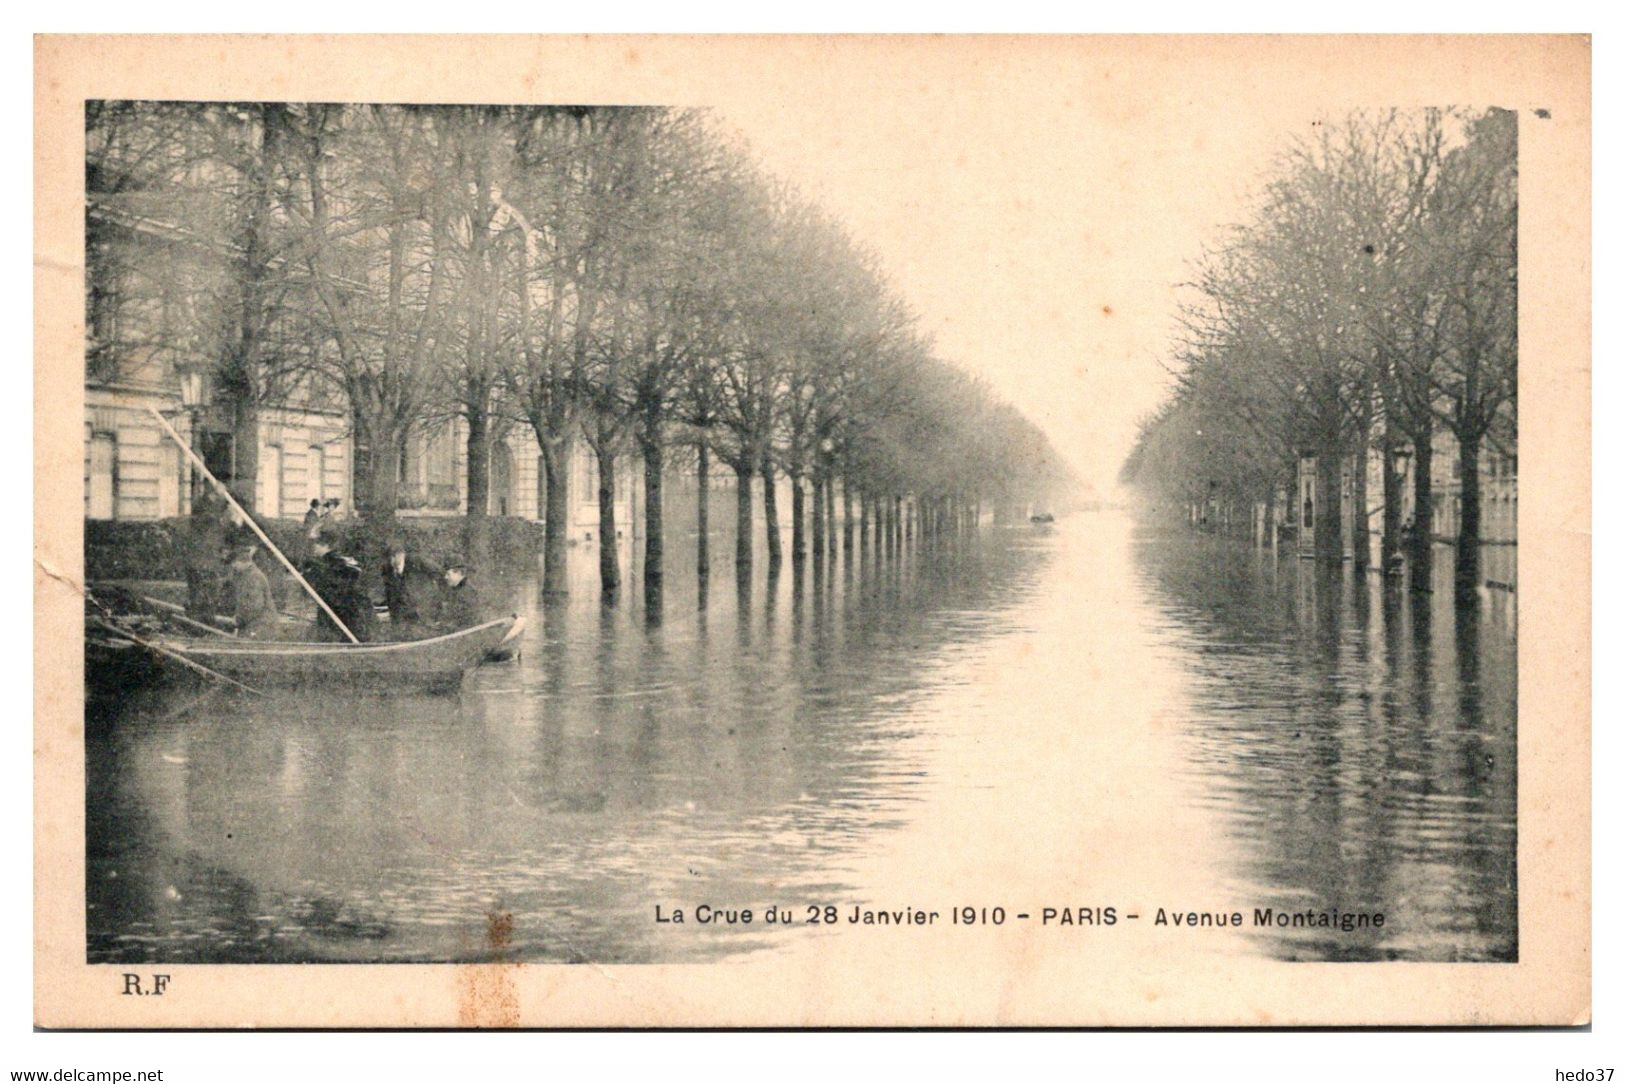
(1106, 310)
(486, 994)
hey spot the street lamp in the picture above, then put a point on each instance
(194, 387)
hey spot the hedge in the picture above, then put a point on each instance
(154, 549)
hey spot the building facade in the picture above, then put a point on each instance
(133, 471)
(1498, 503)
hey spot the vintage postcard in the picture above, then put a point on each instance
(812, 531)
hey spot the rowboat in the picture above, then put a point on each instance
(436, 664)
(440, 662)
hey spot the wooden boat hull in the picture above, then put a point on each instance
(412, 665)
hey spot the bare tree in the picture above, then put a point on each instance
(376, 233)
(1475, 251)
(189, 257)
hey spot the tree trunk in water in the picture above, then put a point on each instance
(798, 513)
(829, 511)
(702, 524)
(1329, 510)
(1468, 559)
(846, 516)
(654, 524)
(896, 515)
(242, 378)
(1392, 499)
(1421, 555)
(1266, 531)
(770, 514)
(609, 565)
(383, 477)
(556, 528)
(479, 462)
(477, 536)
(742, 541)
(865, 502)
(818, 524)
(245, 464)
(1360, 528)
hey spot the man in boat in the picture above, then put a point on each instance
(407, 581)
(256, 611)
(338, 580)
(459, 599)
(203, 543)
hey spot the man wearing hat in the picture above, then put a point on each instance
(407, 582)
(255, 609)
(459, 600)
(338, 580)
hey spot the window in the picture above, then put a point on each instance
(171, 479)
(501, 480)
(441, 457)
(316, 473)
(101, 497)
(271, 482)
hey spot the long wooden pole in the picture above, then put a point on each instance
(179, 614)
(248, 519)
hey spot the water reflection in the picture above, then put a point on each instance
(874, 726)
(1349, 768)
(620, 762)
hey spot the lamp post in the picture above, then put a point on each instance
(194, 399)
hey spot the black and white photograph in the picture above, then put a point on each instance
(1045, 521)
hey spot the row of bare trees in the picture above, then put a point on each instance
(624, 277)
(1370, 304)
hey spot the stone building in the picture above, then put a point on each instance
(1498, 490)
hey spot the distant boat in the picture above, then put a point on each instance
(1041, 519)
(436, 664)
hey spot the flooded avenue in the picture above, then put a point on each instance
(1148, 716)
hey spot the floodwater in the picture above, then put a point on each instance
(1106, 714)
